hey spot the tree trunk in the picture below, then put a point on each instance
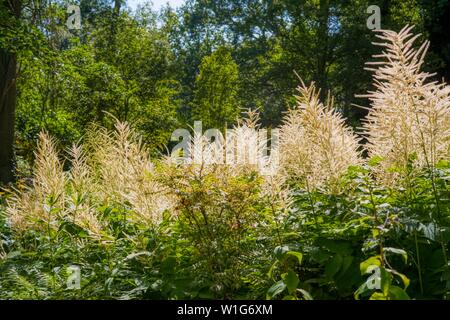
(117, 6)
(8, 97)
(7, 115)
(323, 47)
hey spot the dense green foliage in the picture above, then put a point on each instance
(314, 251)
(215, 102)
(345, 217)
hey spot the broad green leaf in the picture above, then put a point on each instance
(275, 290)
(397, 251)
(361, 290)
(375, 233)
(397, 293)
(291, 280)
(272, 268)
(280, 251)
(306, 294)
(319, 255)
(378, 296)
(404, 278)
(386, 280)
(296, 254)
(372, 261)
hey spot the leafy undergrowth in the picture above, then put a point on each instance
(321, 249)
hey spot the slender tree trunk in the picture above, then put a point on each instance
(8, 97)
(323, 46)
(7, 115)
(117, 6)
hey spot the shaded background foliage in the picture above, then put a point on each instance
(146, 67)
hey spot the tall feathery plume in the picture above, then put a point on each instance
(251, 149)
(409, 119)
(126, 173)
(41, 203)
(81, 190)
(316, 147)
